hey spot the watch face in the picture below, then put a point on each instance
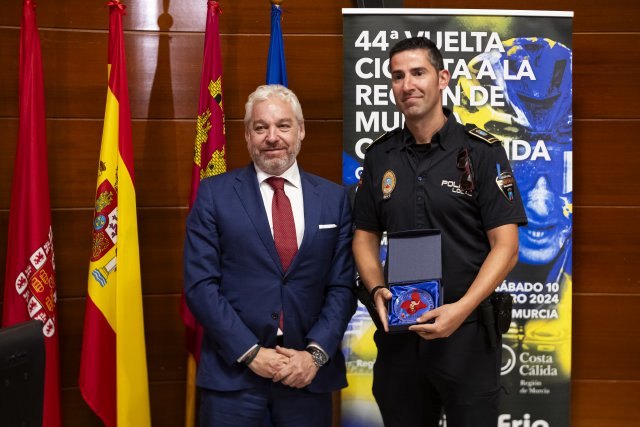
(319, 357)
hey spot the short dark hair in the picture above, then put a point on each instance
(413, 43)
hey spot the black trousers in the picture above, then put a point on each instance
(414, 380)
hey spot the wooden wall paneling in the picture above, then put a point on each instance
(8, 140)
(166, 359)
(605, 403)
(72, 248)
(73, 148)
(75, 411)
(605, 337)
(238, 17)
(606, 250)
(590, 15)
(164, 80)
(161, 236)
(75, 74)
(161, 245)
(163, 155)
(9, 52)
(166, 355)
(166, 401)
(252, 17)
(4, 228)
(314, 67)
(604, 166)
(605, 70)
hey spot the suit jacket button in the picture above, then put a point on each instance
(274, 316)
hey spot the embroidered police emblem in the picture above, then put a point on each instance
(505, 183)
(388, 184)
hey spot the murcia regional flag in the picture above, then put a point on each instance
(113, 370)
(30, 277)
(208, 160)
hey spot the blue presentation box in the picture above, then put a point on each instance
(414, 272)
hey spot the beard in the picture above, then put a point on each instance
(275, 165)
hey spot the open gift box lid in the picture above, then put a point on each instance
(413, 256)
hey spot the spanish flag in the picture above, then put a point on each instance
(208, 159)
(113, 367)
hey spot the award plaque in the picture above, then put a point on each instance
(414, 270)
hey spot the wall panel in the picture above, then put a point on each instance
(239, 16)
(605, 403)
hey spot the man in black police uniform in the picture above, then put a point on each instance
(435, 174)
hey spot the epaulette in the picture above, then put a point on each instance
(382, 138)
(481, 134)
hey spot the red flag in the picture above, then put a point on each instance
(113, 367)
(30, 283)
(209, 159)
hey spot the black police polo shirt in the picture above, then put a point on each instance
(403, 189)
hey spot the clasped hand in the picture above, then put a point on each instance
(293, 368)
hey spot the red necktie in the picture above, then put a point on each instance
(284, 228)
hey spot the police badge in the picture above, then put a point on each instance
(388, 183)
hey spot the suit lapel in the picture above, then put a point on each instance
(246, 186)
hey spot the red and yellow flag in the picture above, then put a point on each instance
(113, 369)
(30, 280)
(209, 159)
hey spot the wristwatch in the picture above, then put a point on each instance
(319, 358)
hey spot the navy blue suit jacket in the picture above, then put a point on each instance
(235, 285)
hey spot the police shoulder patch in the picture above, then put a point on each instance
(382, 138)
(480, 134)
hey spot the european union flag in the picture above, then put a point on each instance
(276, 65)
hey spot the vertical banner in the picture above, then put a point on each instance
(510, 75)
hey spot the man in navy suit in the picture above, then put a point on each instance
(273, 322)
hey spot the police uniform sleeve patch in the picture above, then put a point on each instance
(382, 138)
(505, 182)
(480, 134)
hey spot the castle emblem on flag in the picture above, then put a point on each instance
(105, 220)
(37, 285)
